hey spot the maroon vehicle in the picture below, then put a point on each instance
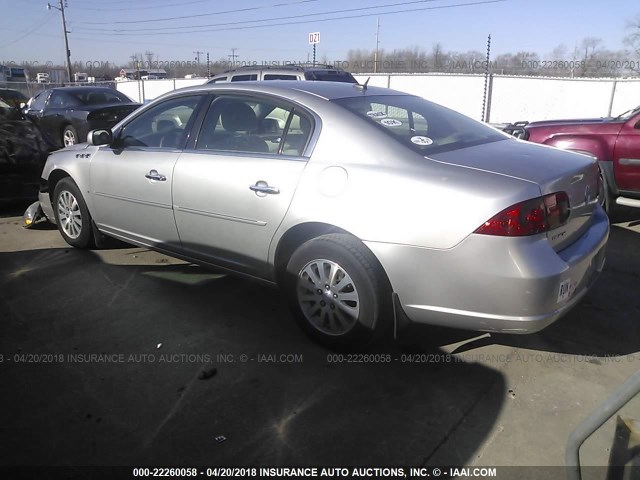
(614, 142)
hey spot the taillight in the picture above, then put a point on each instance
(529, 217)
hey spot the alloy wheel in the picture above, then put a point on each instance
(69, 214)
(69, 138)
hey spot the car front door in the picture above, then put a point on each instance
(132, 179)
(233, 188)
(627, 156)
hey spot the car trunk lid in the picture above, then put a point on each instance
(553, 170)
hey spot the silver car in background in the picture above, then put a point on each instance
(366, 206)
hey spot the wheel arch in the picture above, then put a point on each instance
(303, 232)
(54, 177)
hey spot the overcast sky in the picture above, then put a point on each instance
(277, 30)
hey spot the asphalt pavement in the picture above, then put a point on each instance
(128, 357)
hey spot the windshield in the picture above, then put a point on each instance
(628, 114)
(425, 127)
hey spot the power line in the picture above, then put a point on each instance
(45, 19)
(244, 22)
(140, 8)
(237, 10)
(439, 7)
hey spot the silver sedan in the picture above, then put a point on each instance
(366, 206)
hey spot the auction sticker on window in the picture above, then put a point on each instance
(420, 140)
(376, 114)
(566, 290)
(391, 122)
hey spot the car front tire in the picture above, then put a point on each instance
(337, 292)
(69, 136)
(72, 215)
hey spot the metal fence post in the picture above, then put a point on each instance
(595, 420)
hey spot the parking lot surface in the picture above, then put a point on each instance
(127, 357)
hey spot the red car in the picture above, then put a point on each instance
(615, 142)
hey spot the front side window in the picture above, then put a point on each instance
(249, 125)
(60, 99)
(425, 127)
(166, 125)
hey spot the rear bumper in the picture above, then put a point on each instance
(495, 284)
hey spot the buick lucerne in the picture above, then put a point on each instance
(365, 206)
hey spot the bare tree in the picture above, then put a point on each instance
(633, 41)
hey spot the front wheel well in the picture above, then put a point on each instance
(54, 177)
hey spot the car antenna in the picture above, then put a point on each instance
(363, 87)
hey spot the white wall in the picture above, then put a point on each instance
(511, 98)
(146, 90)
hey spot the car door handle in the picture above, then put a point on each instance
(154, 175)
(263, 188)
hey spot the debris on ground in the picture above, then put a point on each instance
(207, 374)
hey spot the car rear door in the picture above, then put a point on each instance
(233, 188)
(132, 180)
(626, 156)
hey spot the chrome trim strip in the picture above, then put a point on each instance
(630, 161)
(257, 223)
(133, 200)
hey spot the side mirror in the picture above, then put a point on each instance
(100, 137)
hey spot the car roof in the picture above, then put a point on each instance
(289, 68)
(326, 90)
(82, 89)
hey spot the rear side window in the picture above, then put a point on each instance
(425, 127)
(249, 125)
(330, 76)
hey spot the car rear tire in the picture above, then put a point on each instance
(607, 201)
(72, 215)
(69, 136)
(337, 292)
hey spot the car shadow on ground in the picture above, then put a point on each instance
(178, 365)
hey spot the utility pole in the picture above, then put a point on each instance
(197, 53)
(60, 7)
(375, 57)
(208, 66)
(233, 56)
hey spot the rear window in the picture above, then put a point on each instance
(425, 127)
(279, 76)
(330, 76)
